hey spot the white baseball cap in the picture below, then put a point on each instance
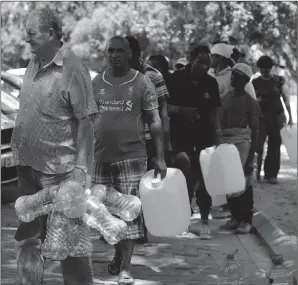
(222, 49)
(182, 61)
(243, 69)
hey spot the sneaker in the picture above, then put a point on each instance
(230, 225)
(244, 228)
(205, 232)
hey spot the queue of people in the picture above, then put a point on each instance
(141, 117)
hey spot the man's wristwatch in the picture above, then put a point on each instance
(82, 168)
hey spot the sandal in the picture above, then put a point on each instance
(114, 265)
(125, 278)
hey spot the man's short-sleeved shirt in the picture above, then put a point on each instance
(160, 88)
(237, 111)
(52, 99)
(120, 129)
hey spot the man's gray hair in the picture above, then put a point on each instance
(48, 19)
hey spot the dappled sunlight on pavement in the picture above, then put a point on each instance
(279, 202)
(180, 260)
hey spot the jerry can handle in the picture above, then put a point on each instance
(156, 181)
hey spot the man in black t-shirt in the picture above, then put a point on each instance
(194, 123)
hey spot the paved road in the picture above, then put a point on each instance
(182, 260)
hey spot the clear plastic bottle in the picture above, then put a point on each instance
(278, 274)
(98, 217)
(71, 198)
(30, 207)
(126, 207)
(55, 245)
(80, 243)
(230, 273)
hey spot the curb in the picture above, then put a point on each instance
(276, 241)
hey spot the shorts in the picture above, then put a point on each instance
(125, 177)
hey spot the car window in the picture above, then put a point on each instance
(8, 88)
(9, 104)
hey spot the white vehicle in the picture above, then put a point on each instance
(21, 71)
(18, 71)
(10, 86)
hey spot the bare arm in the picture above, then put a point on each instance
(156, 132)
(287, 104)
(163, 113)
(215, 120)
(85, 147)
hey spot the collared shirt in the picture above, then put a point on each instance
(52, 99)
(238, 111)
(120, 130)
(160, 87)
(203, 96)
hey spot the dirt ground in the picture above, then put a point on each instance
(279, 202)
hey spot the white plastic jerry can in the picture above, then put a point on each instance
(289, 139)
(223, 170)
(205, 159)
(165, 203)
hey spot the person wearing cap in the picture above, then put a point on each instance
(240, 114)
(221, 70)
(269, 89)
(221, 61)
(181, 63)
(194, 121)
(220, 67)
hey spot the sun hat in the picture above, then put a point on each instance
(222, 49)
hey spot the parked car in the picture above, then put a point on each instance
(10, 86)
(17, 71)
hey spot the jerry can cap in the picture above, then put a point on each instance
(156, 181)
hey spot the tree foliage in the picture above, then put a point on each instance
(161, 27)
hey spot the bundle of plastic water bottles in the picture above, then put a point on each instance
(72, 210)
